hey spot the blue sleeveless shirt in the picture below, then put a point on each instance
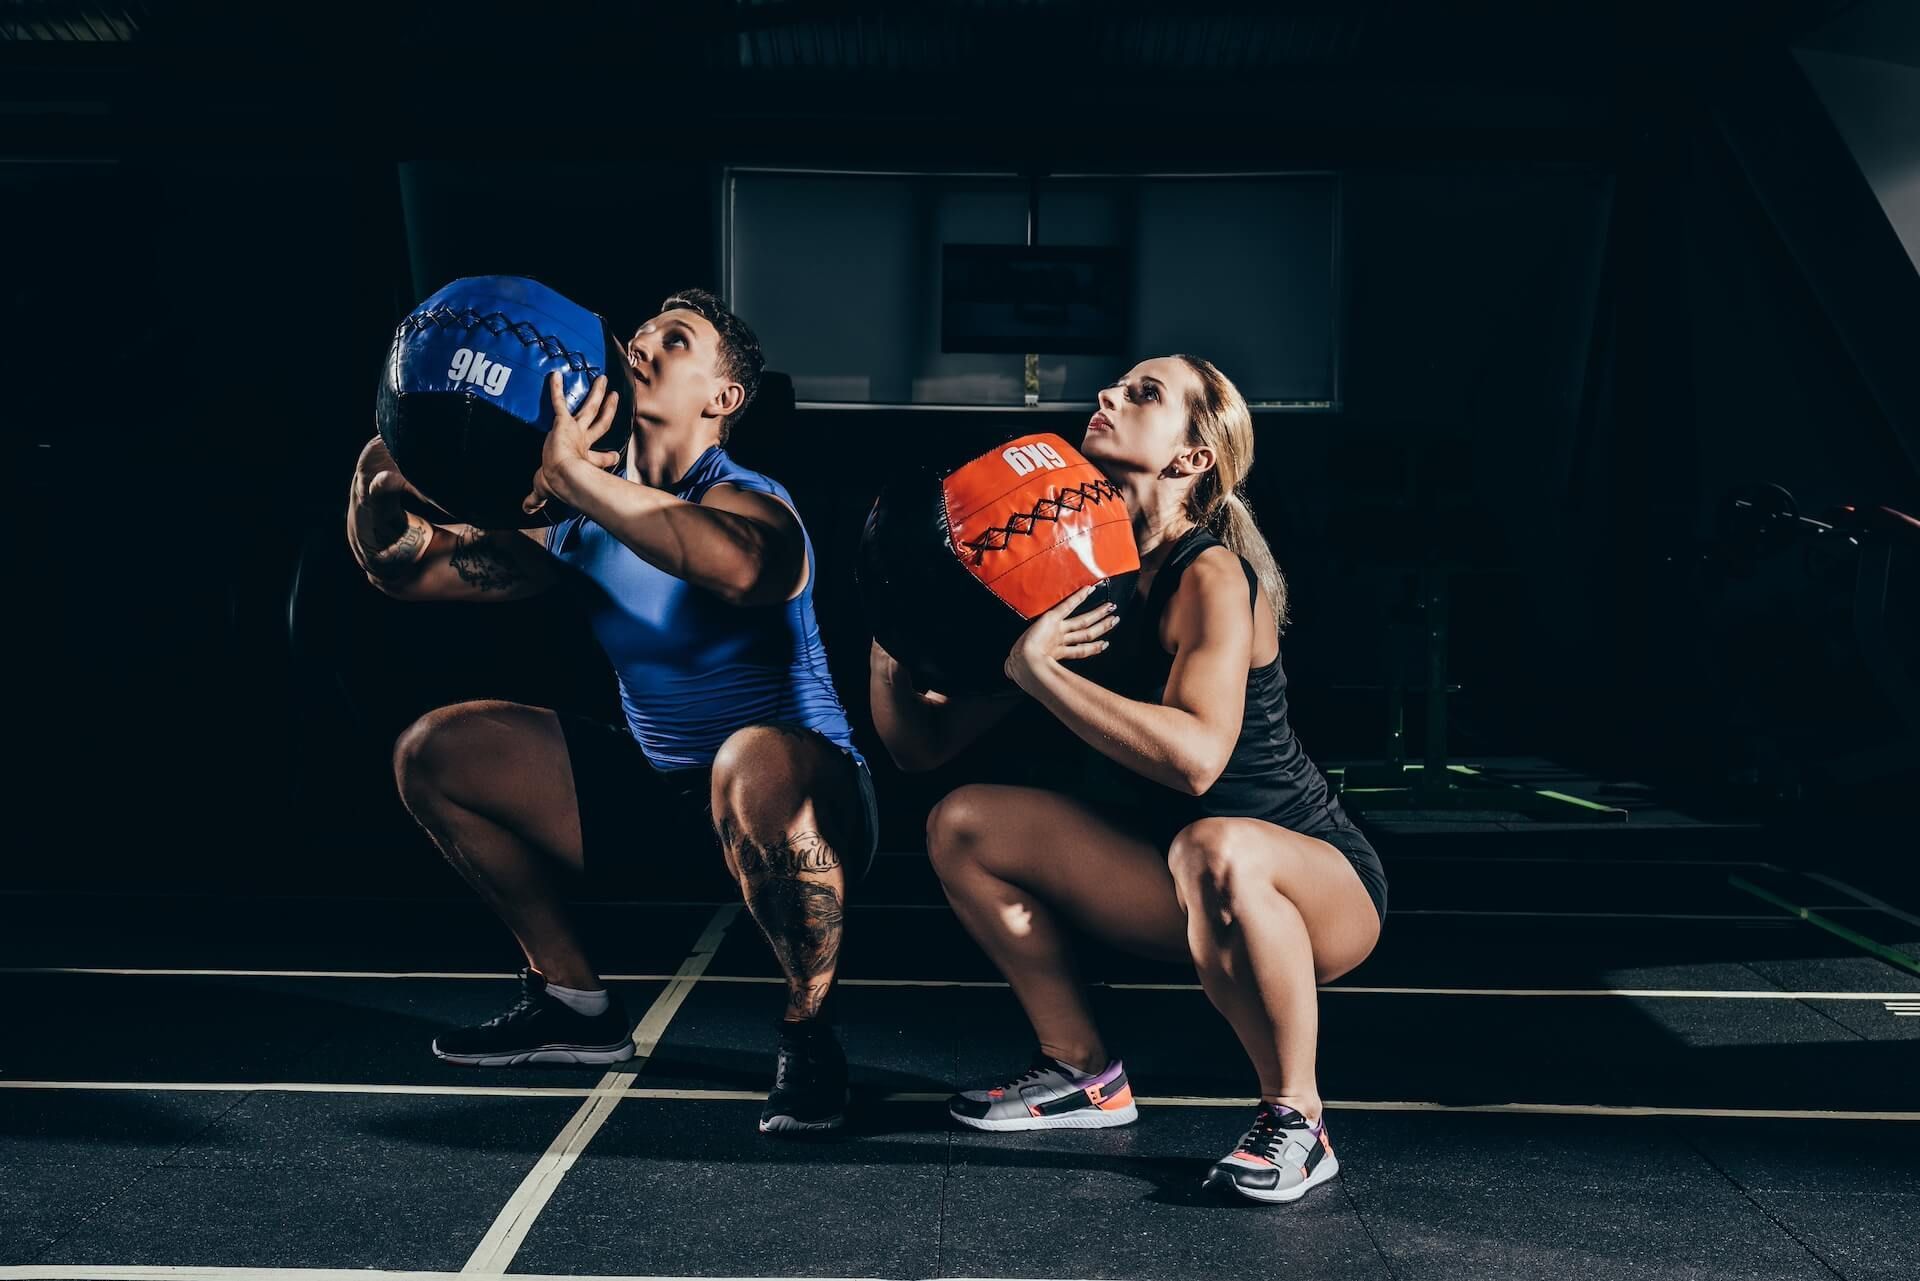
(692, 668)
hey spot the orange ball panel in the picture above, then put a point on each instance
(1035, 522)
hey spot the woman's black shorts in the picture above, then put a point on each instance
(1159, 824)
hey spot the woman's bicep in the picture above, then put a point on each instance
(1210, 627)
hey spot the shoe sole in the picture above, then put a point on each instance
(1322, 1173)
(1085, 1119)
(793, 1125)
(581, 1054)
(784, 1124)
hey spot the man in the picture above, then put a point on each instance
(697, 578)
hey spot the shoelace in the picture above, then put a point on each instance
(530, 998)
(1039, 1068)
(796, 1065)
(786, 1068)
(1267, 1135)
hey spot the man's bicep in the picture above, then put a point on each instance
(768, 510)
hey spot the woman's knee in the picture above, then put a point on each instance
(1215, 866)
(957, 827)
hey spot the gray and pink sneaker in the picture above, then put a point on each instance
(1049, 1096)
(1281, 1158)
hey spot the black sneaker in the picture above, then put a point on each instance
(541, 1029)
(809, 1082)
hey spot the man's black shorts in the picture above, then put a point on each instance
(650, 830)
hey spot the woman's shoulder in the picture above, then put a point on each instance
(1217, 567)
(1216, 578)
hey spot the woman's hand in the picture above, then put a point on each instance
(1055, 637)
(570, 439)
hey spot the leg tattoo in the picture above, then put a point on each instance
(791, 887)
(801, 852)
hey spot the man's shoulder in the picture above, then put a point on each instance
(736, 487)
(728, 471)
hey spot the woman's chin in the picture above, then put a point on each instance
(1099, 449)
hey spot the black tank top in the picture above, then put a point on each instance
(1268, 776)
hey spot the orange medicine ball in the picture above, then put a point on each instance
(954, 565)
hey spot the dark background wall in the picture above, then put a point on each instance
(1587, 293)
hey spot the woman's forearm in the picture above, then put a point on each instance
(1168, 745)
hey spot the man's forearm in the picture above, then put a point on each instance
(923, 732)
(719, 550)
(401, 556)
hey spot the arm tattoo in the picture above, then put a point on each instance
(400, 558)
(484, 564)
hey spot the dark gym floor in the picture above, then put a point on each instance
(1661, 1049)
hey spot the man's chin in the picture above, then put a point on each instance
(650, 424)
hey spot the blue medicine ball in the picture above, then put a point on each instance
(463, 404)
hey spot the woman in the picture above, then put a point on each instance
(1231, 854)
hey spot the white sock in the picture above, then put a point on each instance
(580, 1001)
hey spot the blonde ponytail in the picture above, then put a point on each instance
(1234, 526)
(1221, 422)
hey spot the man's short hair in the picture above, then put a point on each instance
(739, 359)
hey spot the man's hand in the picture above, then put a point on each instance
(387, 539)
(892, 671)
(569, 441)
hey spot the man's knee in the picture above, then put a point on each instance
(433, 756)
(764, 769)
(759, 755)
(421, 758)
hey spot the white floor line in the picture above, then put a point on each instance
(70, 1272)
(1862, 896)
(1607, 916)
(1338, 989)
(315, 1087)
(502, 1241)
(1628, 993)
(145, 972)
(668, 1094)
(1543, 1109)
(1554, 1109)
(1405, 859)
(1392, 911)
